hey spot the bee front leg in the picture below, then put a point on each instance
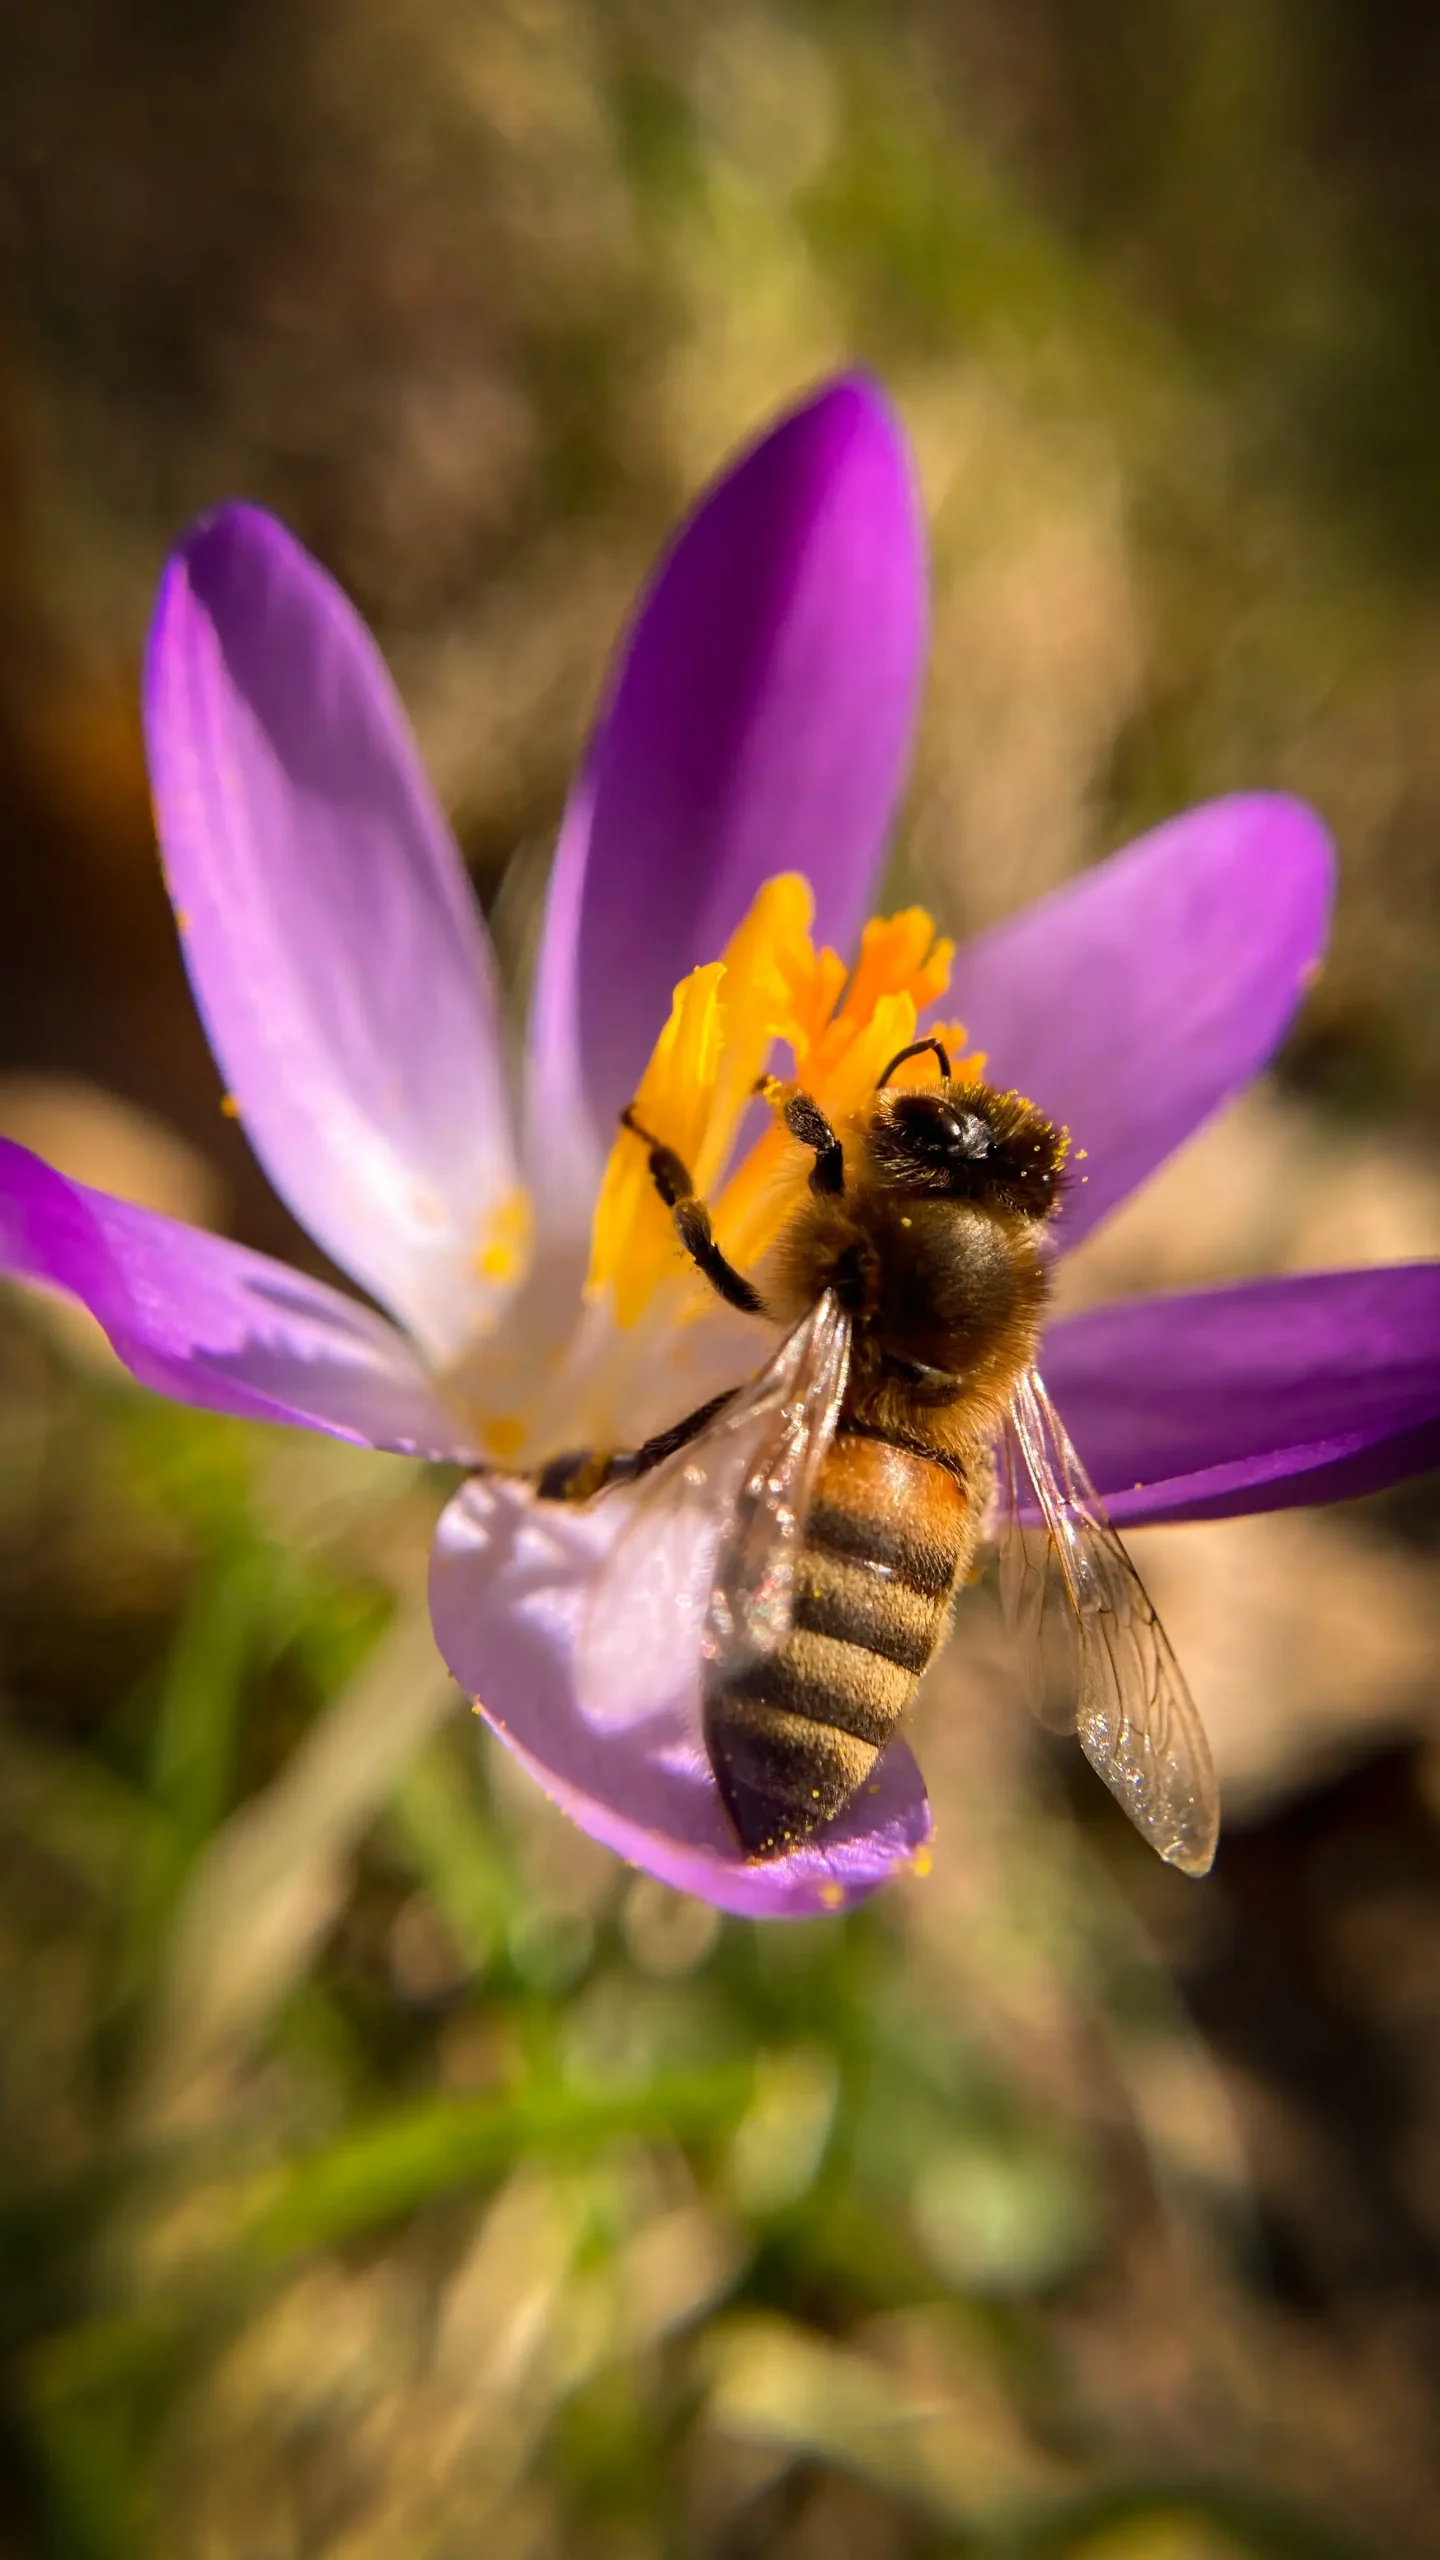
(806, 1121)
(692, 1222)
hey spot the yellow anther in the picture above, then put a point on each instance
(632, 1245)
(898, 952)
(712, 1059)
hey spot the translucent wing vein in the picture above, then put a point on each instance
(703, 1561)
(1136, 1720)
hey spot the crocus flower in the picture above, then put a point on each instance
(721, 845)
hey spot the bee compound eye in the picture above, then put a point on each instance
(973, 1137)
(937, 1130)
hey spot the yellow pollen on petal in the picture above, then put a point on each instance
(503, 1435)
(502, 1251)
(229, 1107)
(771, 985)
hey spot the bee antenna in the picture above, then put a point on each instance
(917, 1049)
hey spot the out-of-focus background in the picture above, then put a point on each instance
(385, 2174)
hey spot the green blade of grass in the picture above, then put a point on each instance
(226, 1626)
(379, 2171)
(441, 1827)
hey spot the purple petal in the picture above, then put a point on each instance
(759, 721)
(1137, 999)
(215, 1325)
(512, 1588)
(1257, 1397)
(333, 945)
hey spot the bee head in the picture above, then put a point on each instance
(967, 1142)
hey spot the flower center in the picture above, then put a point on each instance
(771, 985)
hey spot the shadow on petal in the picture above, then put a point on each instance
(339, 1369)
(196, 1317)
(512, 1590)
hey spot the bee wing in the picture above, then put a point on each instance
(1033, 1597)
(704, 1556)
(1136, 1719)
(788, 1422)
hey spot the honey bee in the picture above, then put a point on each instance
(850, 1484)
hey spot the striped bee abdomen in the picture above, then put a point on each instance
(795, 1737)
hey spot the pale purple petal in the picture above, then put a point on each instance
(1257, 1397)
(759, 721)
(512, 1586)
(204, 1320)
(1135, 1000)
(333, 945)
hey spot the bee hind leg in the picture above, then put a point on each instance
(579, 1473)
(692, 1222)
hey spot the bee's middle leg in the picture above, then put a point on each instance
(692, 1222)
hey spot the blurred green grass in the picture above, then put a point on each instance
(472, 2141)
